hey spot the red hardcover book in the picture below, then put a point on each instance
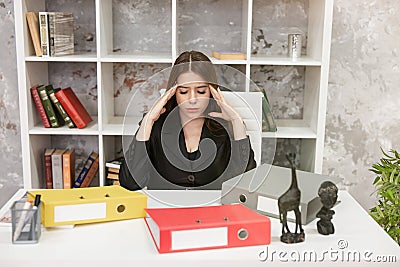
(199, 228)
(73, 107)
(39, 106)
(48, 172)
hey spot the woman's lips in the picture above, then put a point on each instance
(192, 110)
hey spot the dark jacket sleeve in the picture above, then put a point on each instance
(134, 171)
(242, 157)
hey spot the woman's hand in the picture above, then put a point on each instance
(228, 113)
(159, 107)
(155, 112)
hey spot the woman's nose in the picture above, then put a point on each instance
(193, 97)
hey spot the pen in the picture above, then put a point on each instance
(33, 222)
(20, 225)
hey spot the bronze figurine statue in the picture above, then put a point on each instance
(290, 201)
(328, 196)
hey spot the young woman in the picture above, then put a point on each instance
(191, 137)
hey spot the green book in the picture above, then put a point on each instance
(48, 107)
(64, 115)
(268, 121)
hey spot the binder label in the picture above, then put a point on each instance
(270, 206)
(80, 212)
(199, 238)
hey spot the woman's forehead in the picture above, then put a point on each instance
(192, 78)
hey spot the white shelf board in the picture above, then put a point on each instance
(77, 57)
(143, 58)
(115, 126)
(291, 129)
(283, 60)
(91, 129)
(228, 62)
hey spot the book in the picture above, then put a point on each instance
(39, 106)
(48, 173)
(228, 55)
(57, 168)
(48, 107)
(44, 33)
(51, 93)
(32, 19)
(115, 163)
(199, 228)
(81, 177)
(113, 176)
(268, 122)
(68, 163)
(74, 107)
(113, 170)
(61, 33)
(91, 173)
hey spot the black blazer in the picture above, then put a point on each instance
(163, 162)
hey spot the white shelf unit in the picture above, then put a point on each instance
(106, 129)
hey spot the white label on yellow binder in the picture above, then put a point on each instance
(80, 212)
(270, 206)
(199, 238)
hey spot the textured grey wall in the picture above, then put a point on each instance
(362, 101)
(363, 97)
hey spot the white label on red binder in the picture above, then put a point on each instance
(270, 206)
(199, 238)
(80, 212)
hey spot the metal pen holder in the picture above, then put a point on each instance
(294, 45)
(26, 223)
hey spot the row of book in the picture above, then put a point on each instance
(112, 171)
(58, 107)
(59, 169)
(52, 33)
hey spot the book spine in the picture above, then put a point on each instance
(40, 108)
(91, 173)
(72, 112)
(63, 34)
(48, 172)
(56, 161)
(44, 33)
(83, 172)
(33, 24)
(48, 107)
(68, 168)
(52, 22)
(61, 109)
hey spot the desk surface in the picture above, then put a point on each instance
(129, 242)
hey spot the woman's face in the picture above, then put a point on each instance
(192, 94)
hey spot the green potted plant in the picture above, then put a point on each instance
(387, 209)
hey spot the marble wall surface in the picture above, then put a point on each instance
(361, 116)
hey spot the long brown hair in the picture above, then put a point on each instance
(205, 69)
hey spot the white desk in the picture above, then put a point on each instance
(128, 243)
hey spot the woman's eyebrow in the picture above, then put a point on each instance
(197, 87)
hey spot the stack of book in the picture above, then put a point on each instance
(59, 169)
(58, 107)
(52, 33)
(228, 55)
(112, 171)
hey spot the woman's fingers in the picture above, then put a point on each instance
(216, 115)
(215, 93)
